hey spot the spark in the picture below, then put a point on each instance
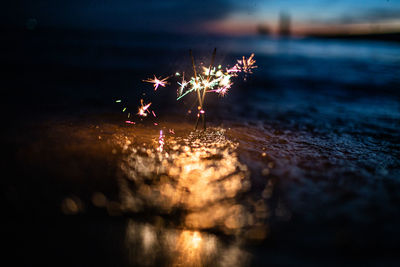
(208, 71)
(209, 80)
(246, 65)
(223, 90)
(118, 101)
(233, 70)
(157, 82)
(130, 122)
(154, 114)
(143, 108)
(182, 84)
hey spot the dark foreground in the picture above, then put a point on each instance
(299, 166)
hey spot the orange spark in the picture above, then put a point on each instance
(143, 108)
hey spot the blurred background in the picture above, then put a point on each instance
(222, 17)
(323, 108)
(107, 47)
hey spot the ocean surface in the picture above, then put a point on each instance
(299, 165)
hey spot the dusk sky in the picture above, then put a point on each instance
(207, 16)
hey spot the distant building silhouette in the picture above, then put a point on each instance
(263, 29)
(284, 24)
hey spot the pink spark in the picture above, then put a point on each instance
(157, 82)
(130, 122)
(234, 69)
(161, 141)
(223, 90)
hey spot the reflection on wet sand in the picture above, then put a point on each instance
(194, 186)
(149, 245)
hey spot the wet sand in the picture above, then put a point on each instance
(238, 194)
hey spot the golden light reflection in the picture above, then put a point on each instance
(151, 245)
(189, 248)
(200, 180)
(72, 205)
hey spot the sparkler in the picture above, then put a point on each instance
(212, 79)
(206, 86)
(204, 80)
(157, 82)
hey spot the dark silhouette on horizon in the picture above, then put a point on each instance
(284, 24)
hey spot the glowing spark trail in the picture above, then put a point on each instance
(157, 82)
(143, 108)
(161, 142)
